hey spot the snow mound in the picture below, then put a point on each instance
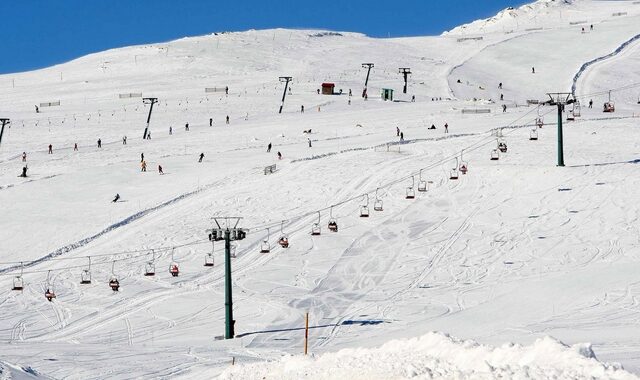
(436, 355)
(11, 372)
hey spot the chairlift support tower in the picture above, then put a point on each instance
(405, 71)
(560, 99)
(368, 66)
(286, 81)
(4, 122)
(228, 233)
(151, 101)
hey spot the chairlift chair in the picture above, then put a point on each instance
(540, 122)
(18, 281)
(464, 165)
(284, 239)
(533, 135)
(150, 269)
(377, 204)
(364, 209)
(315, 228)
(502, 147)
(410, 193)
(265, 247)
(114, 284)
(609, 107)
(174, 270)
(422, 184)
(333, 223)
(50, 294)
(453, 174)
(85, 276)
(233, 249)
(577, 109)
(495, 155)
(208, 260)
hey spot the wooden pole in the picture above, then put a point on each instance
(306, 332)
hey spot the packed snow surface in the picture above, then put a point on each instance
(515, 250)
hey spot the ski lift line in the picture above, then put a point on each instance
(140, 251)
(605, 92)
(470, 148)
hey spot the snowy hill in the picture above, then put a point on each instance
(515, 250)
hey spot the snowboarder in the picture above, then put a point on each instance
(201, 157)
(500, 86)
(226, 90)
(227, 119)
(446, 128)
(160, 169)
(124, 140)
(590, 103)
(99, 143)
(269, 148)
(501, 96)
(37, 109)
(533, 70)
(143, 166)
(309, 140)
(592, 27)
(504, 108)
(433, 126)
(170, 130)
(149, 135)
(413, 98)
(302, 109)
(349, 92)
(24, 171)
(397, 131)
(211, 122)
(24, 156)
(50, 149)
(186, 127)
(75, 147)
(401, 136)
(117, 198)
(279, 156)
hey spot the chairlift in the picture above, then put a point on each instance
(174, 269)
(315, 229)
(114, 284)
(464, 166)
(422, 184)
(495, 155)
(265, 247)
(364, 209)
(150, 266)
(502, 146)
(18, 281)
(233, 248)
(85, 276)
(410, 192)
(577, 109)
(609, 107)
(333, 224)
(533, 135)
(378, 205)
(454, 172)
(284, 239)
(208, 258)
(50, 293)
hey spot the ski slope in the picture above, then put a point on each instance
(516, 250)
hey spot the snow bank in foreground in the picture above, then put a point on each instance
(11, 372)
(437, 355)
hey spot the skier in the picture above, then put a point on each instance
(397, 131)
(201, 157)
(24, 156)
(141, 157)
(269, 148)
(591, 26)
(37, 109)
(24, 171)
(279, 156)
(590, 103)
(446, 128)
(413, 98)
(349, 92)
(401, 136)
(116, 198)
(533, 70)
(170, 130)
(211, 122)
(501, 96)
(349, 101)
(500, 86)
(143, 166)
(160, 169)
(309, 140)
(583, 29)
(50, 149)
(186, 127)
(302, 109)
(226, 90)
(149, 135)
(75, 147)
(227, 119)
(124, 140)
(99, 143)
(504, 108)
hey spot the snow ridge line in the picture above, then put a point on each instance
(585, 66)
(81, 243)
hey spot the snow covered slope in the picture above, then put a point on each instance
(515, 250)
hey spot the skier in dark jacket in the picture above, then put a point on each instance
(201, 157)
(269, 148)
(116, 198)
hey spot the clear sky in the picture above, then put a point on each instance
(40, 33)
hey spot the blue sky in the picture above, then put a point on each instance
(40, 33)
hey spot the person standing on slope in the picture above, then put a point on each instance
(201, 157)
(446, 128)
(269, 148)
